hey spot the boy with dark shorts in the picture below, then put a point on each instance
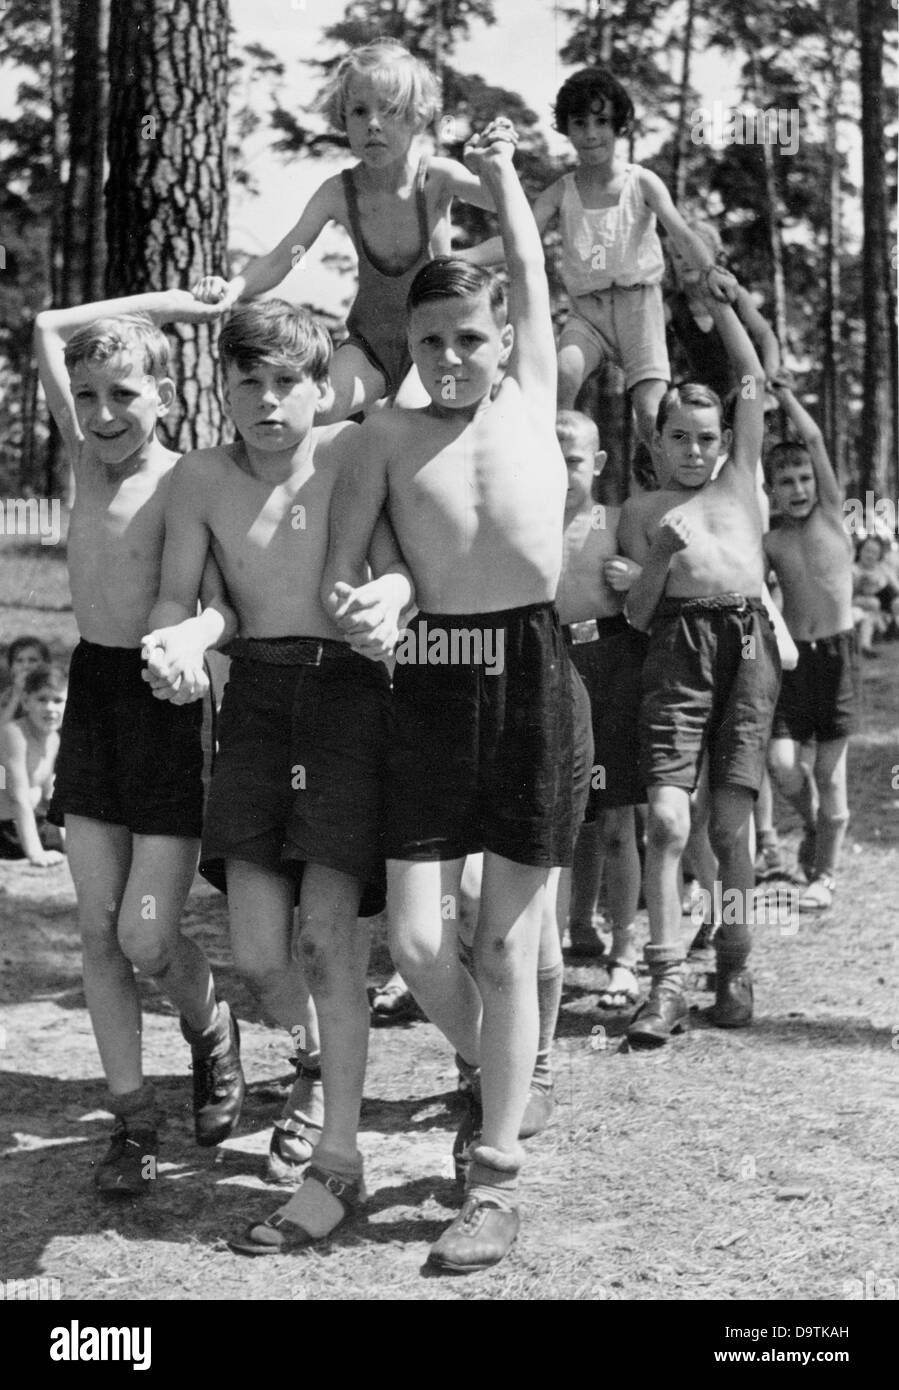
(609, 654)
(128, 776)
(480, 754)
(811, 555)
(711, 675)
(295, 802)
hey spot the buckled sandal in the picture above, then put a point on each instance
(279, 1236)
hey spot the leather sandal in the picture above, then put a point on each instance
(664, 1013)
(279, 1236)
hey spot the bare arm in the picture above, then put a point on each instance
(749, 412)
(760, 331)
(829, 493)
(359, 495)
(721, 283)
(265, 272)
(461, 183)
(54, 327)
(533, 360)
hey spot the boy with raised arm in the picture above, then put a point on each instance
(812, 556)
(295, 802)
(480, 754)
(711, 675)
(128, 776)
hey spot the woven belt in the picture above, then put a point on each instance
(709, 603)
(289, 651)
(592, 629)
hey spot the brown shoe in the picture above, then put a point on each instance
(665, 1012)
(482, 1234)
(733, 998)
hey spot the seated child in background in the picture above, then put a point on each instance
(24, 654)
(128, 778)
(609, 654)
(481, 751)
(872, 583)
(294, 806)
(711, 674)
(394, 205)
(811, 555)
(28, 748)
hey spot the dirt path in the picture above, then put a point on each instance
(756, 1165)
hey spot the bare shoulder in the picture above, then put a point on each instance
(206, 463)
(12, 739)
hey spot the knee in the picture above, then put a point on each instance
(149, 950)
(499, 962)
(261, 971)
(726, 838)
(668, 829)
(613, 834)
(414, 956)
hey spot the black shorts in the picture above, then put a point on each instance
(125, 757)
(298, 777)
(481, 750)
(819, 699)
(582, 750)
(611, 664)
(710, 683)
(11, 845)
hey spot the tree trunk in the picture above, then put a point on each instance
(166, 196)
(875, 425)
(832, 405)
(85, 242)
(679, 151)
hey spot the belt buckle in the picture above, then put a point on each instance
(587, 631)
(319, 653)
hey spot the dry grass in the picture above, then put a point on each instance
(757, 1165)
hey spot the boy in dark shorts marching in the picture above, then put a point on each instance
(128, 776)
(609, 654)
(295, 802)
(711, 675)
(481, 752)
(811, 555)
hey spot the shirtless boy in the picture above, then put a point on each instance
(295, 801)
(711, 674)
(812, 556)
(480, 757)
(128, 776)
(609, 654)
(28, 749)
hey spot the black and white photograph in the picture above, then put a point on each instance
(449, 667)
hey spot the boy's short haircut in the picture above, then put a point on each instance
(271, 330)
(449, 277)
(862, 541)
(49, 677)
(574, 424)
(21, 644)
(787, 454)
(582, 89)
(134, 335)
(687, 393)
(405, 84)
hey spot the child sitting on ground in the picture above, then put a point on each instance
(395, 206)
(811, 555)
(872, 582)
(28, 748)
(24, 654)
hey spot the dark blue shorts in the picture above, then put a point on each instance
(710, 683)
(298, 776)
(125, 757)
(481, 753)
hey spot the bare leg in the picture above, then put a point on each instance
(576, 360)
(647, 396)
(586, 875)
(506, 950)
(833, 813)
(424, 947)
